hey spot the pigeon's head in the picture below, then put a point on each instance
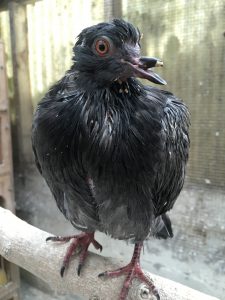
(110, 51)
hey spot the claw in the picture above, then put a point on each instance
(62, 270)
(58, 239)
(79, 269)
(50, 238)
(82, 240)
(97, 245)
(101, 275)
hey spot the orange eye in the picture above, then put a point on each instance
(102, 47)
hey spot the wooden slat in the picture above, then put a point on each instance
(112, 9)
(7, 192)
(4, 4)
(22, 98)
(1, 142)
(9, 291)
(3, 85)
(5, 144)
(5, 134)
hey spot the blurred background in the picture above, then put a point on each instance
(189, 36)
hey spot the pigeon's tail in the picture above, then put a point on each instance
(163, 227)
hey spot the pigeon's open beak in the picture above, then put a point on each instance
(141, 67)
(143, 70)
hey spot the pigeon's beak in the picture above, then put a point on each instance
(142, 68)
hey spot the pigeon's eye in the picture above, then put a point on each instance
(102, 46)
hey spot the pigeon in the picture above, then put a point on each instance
(112, 150)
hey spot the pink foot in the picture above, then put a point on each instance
(84, 240)
(132, 270)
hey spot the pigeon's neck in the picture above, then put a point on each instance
(114, 90)
(93, 81)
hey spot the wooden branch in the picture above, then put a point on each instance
(25, 246)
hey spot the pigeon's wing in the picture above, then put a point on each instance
(170, 155)
(59, 155)
(174, 155)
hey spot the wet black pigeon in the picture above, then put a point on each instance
(112, 150)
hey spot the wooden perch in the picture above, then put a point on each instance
(25, 246)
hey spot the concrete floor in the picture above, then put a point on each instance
(194, 257)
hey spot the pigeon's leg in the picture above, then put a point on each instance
(83, 241)
(132, 270)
